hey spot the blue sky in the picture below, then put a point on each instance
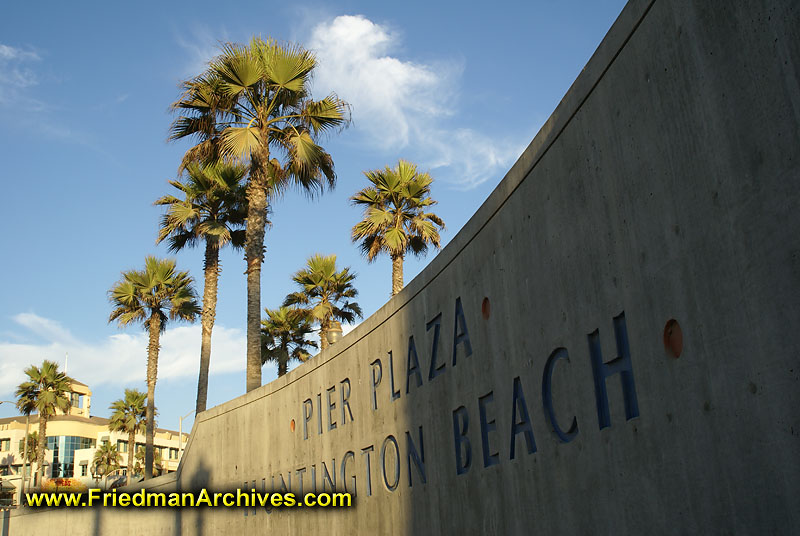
(85, 90)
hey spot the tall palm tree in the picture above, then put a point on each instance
(395, 221)
(283, 337)
(46, 391)
(128, 415)
(325, 293)
(253, 104)
(152, 297)
(106, 460)
(212, 208)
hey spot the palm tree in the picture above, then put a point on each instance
(157, 466)
(33, 446)
(151, 297)
(324, 293)
(106, 460)
(252, 104)
(128, 415)
(395, 221)
(283, 337)
(212, 208)
(46, 391)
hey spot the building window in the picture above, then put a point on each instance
(122, 446)
(84, 469)
(5, 444)
(63, 448)
(173, 454)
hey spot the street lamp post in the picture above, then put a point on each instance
(23, 477)
(180, 435)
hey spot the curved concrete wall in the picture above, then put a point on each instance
(520, 384)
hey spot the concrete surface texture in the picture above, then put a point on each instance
(526, 382)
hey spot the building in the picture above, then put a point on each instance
(73, 439)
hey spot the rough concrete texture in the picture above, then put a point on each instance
(666, 185)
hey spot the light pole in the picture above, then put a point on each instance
(180, 435)
(23, 476)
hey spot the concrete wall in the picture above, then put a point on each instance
(666, 185)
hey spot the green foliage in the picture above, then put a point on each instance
(325, 293)
(158, 290)
(46, 390)
(395, 220)
(128, 413)
(253, 105)
(106, 460)
(33, 446)
(138, 468)
(212, 207)
(254, 98)
(283, 337)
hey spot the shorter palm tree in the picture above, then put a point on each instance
(128, 416)
(139, 466)
(46, 391)
(33, 446)
(395, 219)
(151, 297)
(283, 337)
(106, 460)
(325, 294)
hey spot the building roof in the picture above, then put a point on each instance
(97, 421)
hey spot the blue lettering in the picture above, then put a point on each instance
(367, 452)
(308, 410)
(377, 374)
(460, 324)
(393, 485)
(349, 455)
(436, 323)
(331, 407)
(413, 364)
(417, 457)
(622, 365)
(487, 426)
(521, 424)
(345, 387)
(547, 397)
(395, 393)
(460, 438)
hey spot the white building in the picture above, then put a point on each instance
(72, 440)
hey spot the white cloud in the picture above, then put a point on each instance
(402, 105)
(201, 46)
(118, 359)
(16, 74)
(11, 53)
(347, 328)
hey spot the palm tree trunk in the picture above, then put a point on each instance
(42, 448)
(131, 449)
(154, 324)
(254, 249)
(323, 335)
(211, 270)
(283, 363)
(397, 274)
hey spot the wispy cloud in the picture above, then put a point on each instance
(118, 359)
(16, 74)
(201, 44)
(404, 105)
